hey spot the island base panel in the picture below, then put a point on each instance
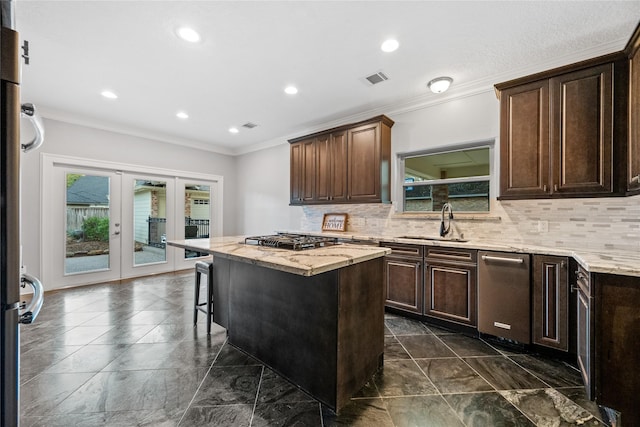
(324, 333)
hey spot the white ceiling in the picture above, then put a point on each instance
(251, 50)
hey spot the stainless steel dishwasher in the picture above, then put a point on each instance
(504, 295)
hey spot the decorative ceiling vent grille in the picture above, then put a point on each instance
(249, 125)
(376, 78)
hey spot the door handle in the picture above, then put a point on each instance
(28, 111)
(32, 309)
(116, 233)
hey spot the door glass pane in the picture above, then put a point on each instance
(149, 221)
(87, 225)
(197, 214)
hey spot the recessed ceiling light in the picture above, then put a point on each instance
(291, 90)
(233, 130)
(188, 34)
(109, 94)
(389, 45)
(182, 115)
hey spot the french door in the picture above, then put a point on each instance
(196, 215)
(148, 214)
(82, 244)
(104, 222)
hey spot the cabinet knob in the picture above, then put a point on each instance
(544, 188)
(555, 187)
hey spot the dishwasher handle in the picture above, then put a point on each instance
(502, 259)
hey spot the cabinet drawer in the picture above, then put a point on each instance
(403, 250)
(452, 255)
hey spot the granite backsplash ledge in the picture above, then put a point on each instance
(594, 224)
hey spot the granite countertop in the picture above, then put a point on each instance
(611, 262)
(305, 263)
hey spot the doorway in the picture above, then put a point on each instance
(108, 222)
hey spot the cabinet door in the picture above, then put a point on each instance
(322, 168)
(450, 292)
(582, 131)
(524, 140)
(584, 332)
(403, 278)
(295, 178)
(364, 163)
(550, 302)
(633, 178)
(617, 380)
(338, 156)
(308, 174)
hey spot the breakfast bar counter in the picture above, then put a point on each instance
(304, 263)
(315, 316)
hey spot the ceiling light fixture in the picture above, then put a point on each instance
(109, 94)
(389, 45)
(440, 84)
(291, 90)
(233, 130)
(188, 34)
(182, 115)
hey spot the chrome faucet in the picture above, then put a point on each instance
(446, 209)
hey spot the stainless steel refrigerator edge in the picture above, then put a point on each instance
(9, 219)
(13, 313)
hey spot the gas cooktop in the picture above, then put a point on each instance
(295, 242)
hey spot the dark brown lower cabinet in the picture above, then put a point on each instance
(551, 302)
(451, 285)
(584, 329)
(616, 301)
(403, 277)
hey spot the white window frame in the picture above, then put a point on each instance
(493, 179)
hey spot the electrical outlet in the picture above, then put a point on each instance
(543, 226)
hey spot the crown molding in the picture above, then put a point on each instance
(77, 119)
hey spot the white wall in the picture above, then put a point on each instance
(263, 176)
(263, 192)
(89, 143)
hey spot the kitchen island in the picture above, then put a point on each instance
(315, 316)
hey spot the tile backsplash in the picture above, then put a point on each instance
(596, 224)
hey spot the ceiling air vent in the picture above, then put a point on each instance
(376, 78)
(249, 125)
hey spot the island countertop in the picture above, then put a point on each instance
(307, 262)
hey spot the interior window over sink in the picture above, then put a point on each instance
(461, 177)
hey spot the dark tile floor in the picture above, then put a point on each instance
(127, 354)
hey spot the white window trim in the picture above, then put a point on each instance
(493, 178)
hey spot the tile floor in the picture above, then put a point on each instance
(128, 355)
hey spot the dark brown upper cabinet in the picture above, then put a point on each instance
(348, 164)
(562, 131)
(632, 177)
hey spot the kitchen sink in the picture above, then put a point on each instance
(439, 239)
